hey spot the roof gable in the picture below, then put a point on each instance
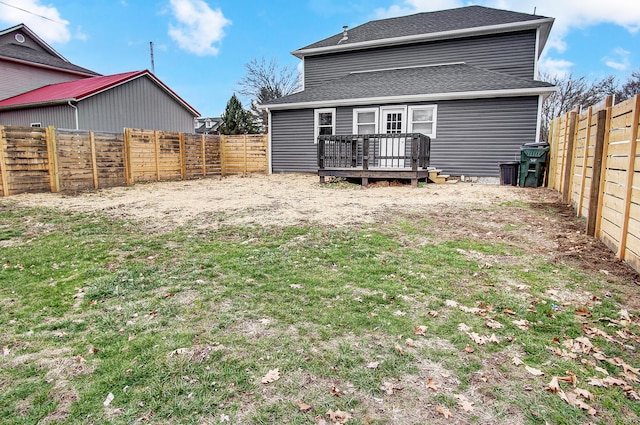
(20, 44)
(451, 23)
(81, 89)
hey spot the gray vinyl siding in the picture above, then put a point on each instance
(17, 78)
(139, 103)
(292, 145)
(512, 54)
(473, 136)
(60, 116)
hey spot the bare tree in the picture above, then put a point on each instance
(572, 92)
(267, 80)
(630, 88)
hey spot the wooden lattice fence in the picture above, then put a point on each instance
(49, 159)
(595, 164)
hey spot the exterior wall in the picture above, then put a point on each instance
(60, 116)
(473, 136)
(292, 145)
(512, 54)
(17, 78)
(139, 103)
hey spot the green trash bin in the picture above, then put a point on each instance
(533, 162)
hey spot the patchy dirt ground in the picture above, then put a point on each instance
(548, 227)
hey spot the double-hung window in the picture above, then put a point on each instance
(324, 122)
(422, 119)
(365, 121)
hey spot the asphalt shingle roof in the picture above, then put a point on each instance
(428, 80)
(428, 23)
(28, 54)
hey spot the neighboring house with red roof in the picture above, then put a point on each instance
(39, 87)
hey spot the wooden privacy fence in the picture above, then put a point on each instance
(595, 164)
(49, 159)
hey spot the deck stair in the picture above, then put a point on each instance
(436, 177)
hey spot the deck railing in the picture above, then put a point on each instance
(406, 151)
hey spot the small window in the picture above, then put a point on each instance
(36, 124)
(422, 119)
(365, 121)
(324, 122)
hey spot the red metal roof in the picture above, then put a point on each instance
(80, 89)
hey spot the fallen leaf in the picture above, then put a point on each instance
(431, 384)
(571, 378)
(271, 376)
(5, 351)
(338, 417)
(336, 391)
(584, 406)
(464, 403)
(534, 371)
(469, 349)
(509, 312)
(372, 365)
(295, 286)
(108, 400)
(463, 327)
(554, 385)
(517, 361)
(304, 407)
(493, 324)
(451, 303)
(522, 324)
(443, 411)
(584, 394)
(433, 313)
(387, 387)
(420, 330)
(399, 350)
(410, 343)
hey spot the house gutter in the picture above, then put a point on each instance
(415, 98)
(75, 110)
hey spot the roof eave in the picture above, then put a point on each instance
(467, 32)
(482, 94)
(37, 39)
(55, 68)
(43, 104)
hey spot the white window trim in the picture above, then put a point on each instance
(376, 112)
(316, 122)
(435, 118)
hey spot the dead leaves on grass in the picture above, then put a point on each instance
(272, 376)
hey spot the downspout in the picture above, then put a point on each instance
(269, 147)
(75, 108)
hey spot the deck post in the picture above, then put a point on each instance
(365, 158)
(354, 151)
(321, 157)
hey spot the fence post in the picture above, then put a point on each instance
(245, 137)
(183, 158)
(223, 161)
(630, 174)
(204, 156)
(3, 162)
(54, 174)
(94, 160)
(585, 157)
(156, 146)
(128, 161)
(594, 194)
(568, 169)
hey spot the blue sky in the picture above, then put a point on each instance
(201, 46)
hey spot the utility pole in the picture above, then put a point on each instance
(153, 67)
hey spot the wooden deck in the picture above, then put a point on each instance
(375, 156)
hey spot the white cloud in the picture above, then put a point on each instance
(568, 14)
(618, 60)
(43, 20)
(199, 27)
(555, 67)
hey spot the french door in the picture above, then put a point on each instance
(393, 122)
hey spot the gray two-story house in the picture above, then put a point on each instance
(465, 77)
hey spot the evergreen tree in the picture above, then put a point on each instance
(235, 120)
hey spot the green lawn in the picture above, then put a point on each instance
(393, 323)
